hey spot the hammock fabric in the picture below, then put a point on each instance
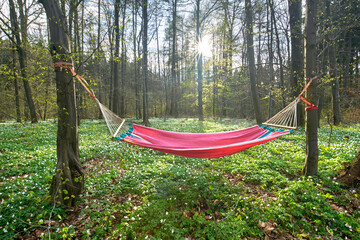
(200, 145)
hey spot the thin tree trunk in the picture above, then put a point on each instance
(22, 59)
(297, 63)
(68, 180)
(199, 64)
(145, 63)
(215, 79)
(111, 61)
(46, 96)
(123, 62)
(16, 87)
(99, 79)
(311, 126)
(158, 57)
(347, 66)
(174, 100)
(136, 71)
(115, 99)
(251, 60)
(333, 70)
(281, 67)
(271, 58)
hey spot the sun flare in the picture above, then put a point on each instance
(204, 46)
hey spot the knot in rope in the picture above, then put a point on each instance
(311, 106)
(69, 66)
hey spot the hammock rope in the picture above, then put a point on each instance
(198, 145)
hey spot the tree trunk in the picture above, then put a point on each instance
(199, 64)
(145, 63)
(136, 75)
(278, 48)
(335, 92)
(351, 175)
(311, 126)
(68, 180)
(158, 58)
(16, 87)
(111, 61)
(251, 60)
(297, 60)
(270, 30)
(115, 99)
(22, 58)
(123, 62)
(174, 97)
(99, 78)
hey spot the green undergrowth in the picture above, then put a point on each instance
(137, 193)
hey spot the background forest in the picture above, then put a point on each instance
(197, 58)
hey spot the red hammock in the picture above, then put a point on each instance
(200, 145)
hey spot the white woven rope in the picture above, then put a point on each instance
(286, 118)
(113, 121)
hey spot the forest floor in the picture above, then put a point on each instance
(132, 192)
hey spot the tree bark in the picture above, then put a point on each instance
(351, 175)
(270, 30)
(99, 51)
(335, 92)
(174, 97)
(311, 126)
(251, 60)
(199, 59)
(136, 71)
(297, 60)
(123, 62)
(145, 63)
(16, 87)
(22, 57)
(68, 180)
(278, 48)
(115, 99)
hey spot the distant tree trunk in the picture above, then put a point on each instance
(347, 68)
(22, 57)
(111, 61)
(68, 180)
(123, 62)
(333, 69)
(311, 126)
(46, 95)
(270, 30)
(278, 47)
(174, 97)
(100, 80)
(214, 77)
(145, 63)
(199, 60)
(16, 87)
(136, 75)
(351, 175)
(116, 99)
(348, 61)
(297, 63)
(251, 60)
(158, 58)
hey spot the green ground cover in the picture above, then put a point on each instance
(131, 192)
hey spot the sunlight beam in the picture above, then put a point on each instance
(204, 46)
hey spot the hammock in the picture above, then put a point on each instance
(199, 145)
